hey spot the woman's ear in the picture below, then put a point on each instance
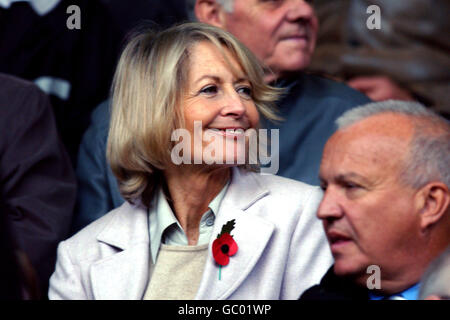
(433, 202)
(210, 12)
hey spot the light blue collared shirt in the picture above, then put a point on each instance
(412, 293)
(165, 228)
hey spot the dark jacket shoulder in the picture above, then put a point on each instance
(332, 287)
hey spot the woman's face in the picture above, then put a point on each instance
(219, 96)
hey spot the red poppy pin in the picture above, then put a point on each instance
(224, 246)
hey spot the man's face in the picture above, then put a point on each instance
(367, 212)
(281, 33)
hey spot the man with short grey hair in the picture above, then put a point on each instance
(281, 34)
(386, 204)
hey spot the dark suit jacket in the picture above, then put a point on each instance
(332, 287)
(37, 183)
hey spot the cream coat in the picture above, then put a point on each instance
(282, 247)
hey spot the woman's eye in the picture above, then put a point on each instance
(211, 89)
(245, 91)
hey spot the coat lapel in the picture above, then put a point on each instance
(251, 233)
(123, 275)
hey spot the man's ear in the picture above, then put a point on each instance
(210, 12)
(433, 202)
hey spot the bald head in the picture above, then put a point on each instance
(380, 139)
(377, 144)
(427, 133)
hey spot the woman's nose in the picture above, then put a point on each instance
(233, 105)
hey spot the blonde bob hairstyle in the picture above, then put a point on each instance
(148, 85)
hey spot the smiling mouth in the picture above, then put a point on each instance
(231, 132)
(228, 129)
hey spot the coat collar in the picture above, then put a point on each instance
(123, 275)
(128, 232)
(244, 190)
(127, 227)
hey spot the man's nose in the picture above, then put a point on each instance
(330, 206)
(299, 10)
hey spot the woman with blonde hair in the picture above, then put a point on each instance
(199, 222)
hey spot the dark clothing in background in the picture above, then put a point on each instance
(10, 282)
(412, 47)
(34, 46)
(127, 15)
(37, 182)
(84, 60)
